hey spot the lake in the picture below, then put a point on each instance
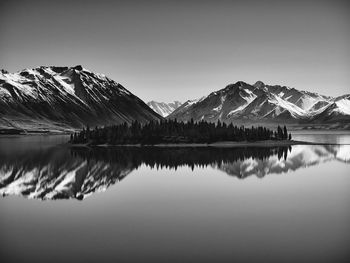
(134, 204)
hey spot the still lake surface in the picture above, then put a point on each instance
(130, 204)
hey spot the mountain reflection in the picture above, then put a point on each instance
(62, 173)
(174, 157)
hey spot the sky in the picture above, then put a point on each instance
(179, 50)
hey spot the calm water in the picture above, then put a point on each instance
(332, 137)
(174, 204)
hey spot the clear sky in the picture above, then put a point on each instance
(179, 50)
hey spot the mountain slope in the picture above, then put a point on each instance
(62, 97)
(337, 110)
(243, 103)
(163, 108)
(183, 108)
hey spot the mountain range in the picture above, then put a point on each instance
(260, 103)
(163, 108)
(66, 97)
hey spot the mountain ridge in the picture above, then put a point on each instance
(56, 98)
(50, 97)
(260, 103)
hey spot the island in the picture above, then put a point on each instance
(174, 133)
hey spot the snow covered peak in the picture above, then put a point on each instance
(245, 103)
(163, 108)
(50, 96)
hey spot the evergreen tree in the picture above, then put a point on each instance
(279, 133)
(172, 131)
(285, 133)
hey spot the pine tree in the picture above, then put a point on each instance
(285, 133)
(279, 133)
(172, 131)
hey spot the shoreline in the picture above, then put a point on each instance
(21, 132)
(222, 144)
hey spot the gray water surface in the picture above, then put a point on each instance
(322, 136)
(173, 205)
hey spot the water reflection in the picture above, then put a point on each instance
(63, 173)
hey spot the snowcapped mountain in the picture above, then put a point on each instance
(65, 97)
(163, 108)
(261, 103)
(184, 107)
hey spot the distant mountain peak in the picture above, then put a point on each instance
(78, 67)
(163, 108)
(240, 83)
(259, 84)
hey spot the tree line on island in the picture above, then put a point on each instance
(172, 131)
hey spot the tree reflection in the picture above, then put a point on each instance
(173, 157)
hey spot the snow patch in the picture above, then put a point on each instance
(343, 106)
(162, 108)
(69, 88)
(4, 93)
(222, 100)
(218, 108)
(292, 108)
(248, 100)
(307, 102)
